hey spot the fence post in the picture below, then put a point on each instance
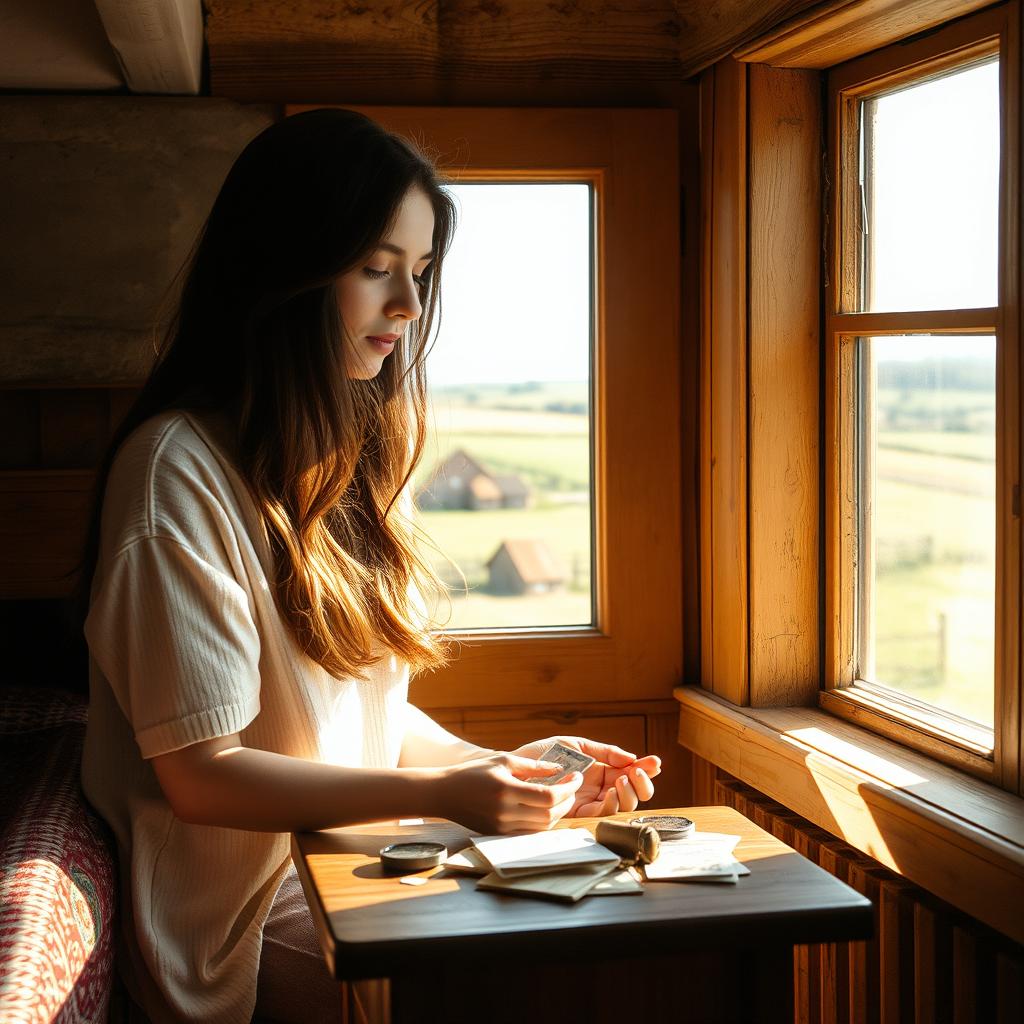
(943, 647)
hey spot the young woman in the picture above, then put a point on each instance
(254, 583)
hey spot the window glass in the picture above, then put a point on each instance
(930, 189)
(926, 501)
(504, 486)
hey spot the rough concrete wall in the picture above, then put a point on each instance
(101, 199)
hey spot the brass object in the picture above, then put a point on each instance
(635, 844)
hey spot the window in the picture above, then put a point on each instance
(923, 401)
(630, 646)
(504, 485)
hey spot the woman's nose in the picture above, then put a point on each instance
(405, 301)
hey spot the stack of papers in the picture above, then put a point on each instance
(564, 864)
(701, 857)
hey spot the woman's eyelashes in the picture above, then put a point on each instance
(421, 279)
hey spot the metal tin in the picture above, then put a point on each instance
(399, 858)
(668, 826)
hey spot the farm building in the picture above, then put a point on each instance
(463, 482)
(524, 567)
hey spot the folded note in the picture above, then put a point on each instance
(536, 852)
(701, 857)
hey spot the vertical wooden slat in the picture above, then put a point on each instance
(707, 367)
(835, 986)
(784, 344)
(965, 990)
(896, 952)
(808, 958)
(1009, 718)
(864, 956)
(1009, 972)
(933, 960)
(724, 446)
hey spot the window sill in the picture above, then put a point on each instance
(944, 830)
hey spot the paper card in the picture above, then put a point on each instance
(468, 862)
(669, 869)
(536, 852)
(568, 886)
(626, 882)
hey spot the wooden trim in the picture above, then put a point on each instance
(959, 838)
(636, 649)
(937, 321)
(724, 600)
(835, 31)
(707, 368)
(959, 42)
(996, 30)
(921, 730)
(1010, 571)
(784, 383)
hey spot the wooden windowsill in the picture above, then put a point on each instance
(946, 831)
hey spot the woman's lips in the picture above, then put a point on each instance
(383, 342)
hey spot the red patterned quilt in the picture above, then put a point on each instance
(57, 873)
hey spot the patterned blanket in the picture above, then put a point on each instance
(57, 869)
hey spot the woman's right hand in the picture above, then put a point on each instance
(494, 795)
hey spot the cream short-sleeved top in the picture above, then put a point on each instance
(186, 644)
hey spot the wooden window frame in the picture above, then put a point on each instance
(946, 736)
(766, 617)
(635, 651)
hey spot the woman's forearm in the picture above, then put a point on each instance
(260, 791)
(428, 744)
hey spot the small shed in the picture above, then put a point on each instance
(448, 487)
(514, 492)
(462, 482)
(524, 567)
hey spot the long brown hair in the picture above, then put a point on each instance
(257, 333)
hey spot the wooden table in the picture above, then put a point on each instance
(679, 952)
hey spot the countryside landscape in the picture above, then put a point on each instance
(934, 512)
(538, 432)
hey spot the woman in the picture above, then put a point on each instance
(254, 578)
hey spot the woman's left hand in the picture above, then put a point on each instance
(616, 781)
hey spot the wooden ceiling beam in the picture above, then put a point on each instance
(472, 51)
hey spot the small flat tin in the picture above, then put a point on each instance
(399, 858)
(668, 826)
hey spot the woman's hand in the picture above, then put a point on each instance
(494, 794)
(616, 781)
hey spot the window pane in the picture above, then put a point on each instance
(504, 487)
(926, 503)
(931, 189)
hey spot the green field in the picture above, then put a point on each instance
(934, 512)
(935, 536)
(511, 432)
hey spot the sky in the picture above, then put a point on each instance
(935, 185)
(516, 289)
(516, 302)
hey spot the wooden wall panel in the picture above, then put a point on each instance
(724, 441)
(784, 342)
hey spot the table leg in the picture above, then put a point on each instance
(731, 987)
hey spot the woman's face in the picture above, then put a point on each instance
(379, 299)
